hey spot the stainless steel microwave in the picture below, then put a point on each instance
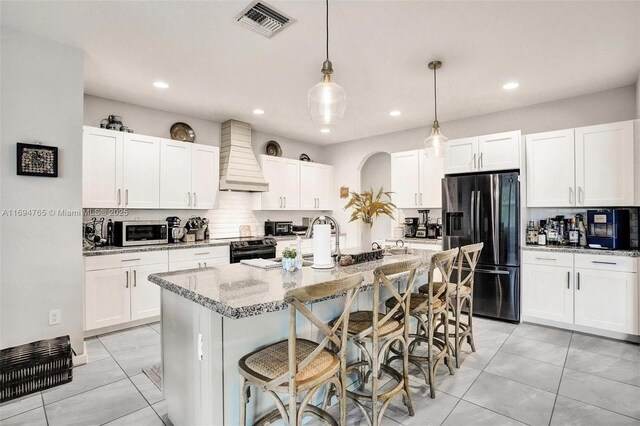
(139, 233)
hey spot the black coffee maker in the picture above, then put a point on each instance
(410, 227)
(173, 228)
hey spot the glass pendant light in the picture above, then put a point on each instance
(434, 144)
(327, 100)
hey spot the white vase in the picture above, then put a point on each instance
(365, 237)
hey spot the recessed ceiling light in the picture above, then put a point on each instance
(395, 113)
(325, 130)
(258, 111)
(510, 86)
(160, 84)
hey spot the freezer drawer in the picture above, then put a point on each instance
(496, 292)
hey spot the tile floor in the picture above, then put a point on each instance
(521, 374)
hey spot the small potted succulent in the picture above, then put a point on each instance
(290, 259)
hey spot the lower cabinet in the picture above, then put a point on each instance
(593, 291)
(607, 300)
(117, 288)
(548, 292)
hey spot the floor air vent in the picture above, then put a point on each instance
(264, 19)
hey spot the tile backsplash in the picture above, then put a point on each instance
(234, 209)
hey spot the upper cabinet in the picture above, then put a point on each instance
(128, 170)
(190, 174)
(499, 151)
(295, 185)
(587, 167)
(416, 180)
(315, 186)
(550, 169)
(283, 176)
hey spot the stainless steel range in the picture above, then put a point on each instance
(252, 248)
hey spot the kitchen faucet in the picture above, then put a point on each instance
(309, 233)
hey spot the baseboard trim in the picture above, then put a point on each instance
(118, 327)
(582, 329)
(83, 358)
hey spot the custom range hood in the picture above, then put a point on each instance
(239, 169)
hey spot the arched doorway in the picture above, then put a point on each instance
(374, 174)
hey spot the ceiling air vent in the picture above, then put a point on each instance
(264, 19)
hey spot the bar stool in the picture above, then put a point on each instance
(461, 296)
(430, 311)
(378, 330)
(295, 365)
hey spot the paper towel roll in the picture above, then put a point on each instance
(322, 246)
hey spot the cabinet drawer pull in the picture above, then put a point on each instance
(280, 202)
(571, 199)
(603, 262)
(415, 196)
(195, 200)
(130, 260)
(480, 160)
(421, 198)
(127, 281)
(126, 197)
(578, 280)
(285, 202)
(546, 258)
(474, 162)
(135, 278)
(189, 199)
(568, 280)
(201, 254)
(118, 196)
(205, 264)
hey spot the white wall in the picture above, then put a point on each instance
(602, 107)
(42, 267)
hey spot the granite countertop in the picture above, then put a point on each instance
(582, 250)
(415, 240)
(239, 291)
(100, 251)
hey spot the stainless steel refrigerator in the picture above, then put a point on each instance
(486, 208)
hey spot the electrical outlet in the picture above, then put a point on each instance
(55, 317)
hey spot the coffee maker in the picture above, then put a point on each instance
(608, 228)
(173, 229)
(421, 231)
(410, 227)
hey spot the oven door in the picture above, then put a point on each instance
(256, 253)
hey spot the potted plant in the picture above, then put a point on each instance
(366, 207)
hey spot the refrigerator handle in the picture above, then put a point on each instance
(473, 215)
(476, 223)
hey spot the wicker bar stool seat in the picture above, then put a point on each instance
(437, 287)
(271, 362)
(299, 367)
(361, 320)
(417, 304)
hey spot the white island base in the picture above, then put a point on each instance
(202, 387)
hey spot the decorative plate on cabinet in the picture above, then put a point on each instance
(182, 132)
(304, 157)
(273, 149)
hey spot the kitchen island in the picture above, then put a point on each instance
(211, 317)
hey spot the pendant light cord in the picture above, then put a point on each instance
(435, 95)
(327, 27)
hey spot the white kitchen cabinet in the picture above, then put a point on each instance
(315, 186)
(582, 291)
(107, 297)
(431, 173)
(548, 292)
(550, 169)
(205, 176)
(283, 176)
(416, 181)
(141, 171)
(587, 167)
(145, 296)
(604, 159)
(175, 180)
(405, 178)
(607, 300)
(498, 151)
(461, 156)
(101, 168)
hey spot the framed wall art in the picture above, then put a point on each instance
(37, 160)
